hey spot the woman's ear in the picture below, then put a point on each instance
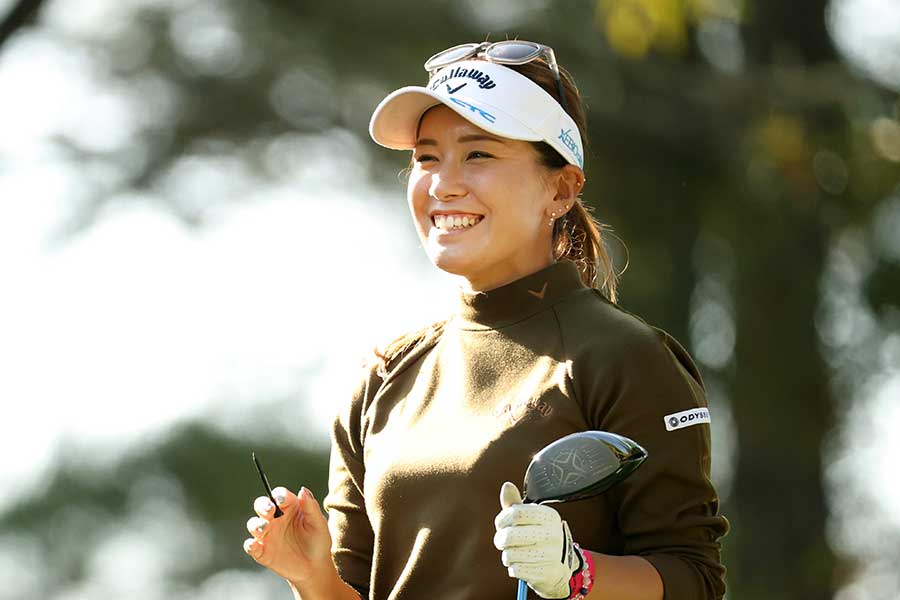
(568, 184)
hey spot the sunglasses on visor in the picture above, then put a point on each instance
(509, 52)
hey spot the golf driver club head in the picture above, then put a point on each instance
(580, 465)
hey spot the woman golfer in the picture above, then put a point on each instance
(536, 349)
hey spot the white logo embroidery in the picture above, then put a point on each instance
(686, 418)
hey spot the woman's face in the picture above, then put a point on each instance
(481, 203)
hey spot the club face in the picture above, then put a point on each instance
(581, 465)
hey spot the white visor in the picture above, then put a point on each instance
(491, 96)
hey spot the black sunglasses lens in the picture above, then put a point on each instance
(450, 56)
(513, 51)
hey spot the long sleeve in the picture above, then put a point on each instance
(348, 521)
(668, 509)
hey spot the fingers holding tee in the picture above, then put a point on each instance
(296, 545)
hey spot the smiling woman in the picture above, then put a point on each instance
(537, 349)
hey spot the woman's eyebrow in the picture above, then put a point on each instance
(474, 137)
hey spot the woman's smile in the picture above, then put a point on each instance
(450, 224)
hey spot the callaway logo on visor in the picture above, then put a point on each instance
(484, 81)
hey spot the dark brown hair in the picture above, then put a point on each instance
(577, 236)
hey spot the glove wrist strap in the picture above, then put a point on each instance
(583, 579)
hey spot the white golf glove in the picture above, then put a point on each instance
(536, 544)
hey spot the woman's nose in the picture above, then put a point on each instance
(447, 184)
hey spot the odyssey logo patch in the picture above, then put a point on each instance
(686, 418)
(484, 80)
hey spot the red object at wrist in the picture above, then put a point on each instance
(583, 579)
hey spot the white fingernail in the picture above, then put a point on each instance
(248, 544)
(280, 495)
(263, 505)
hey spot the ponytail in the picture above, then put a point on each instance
(579, 237)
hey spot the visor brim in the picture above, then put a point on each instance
(396, 119)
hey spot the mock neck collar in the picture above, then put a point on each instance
(519, 299)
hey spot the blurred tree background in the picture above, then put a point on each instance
(745, 151)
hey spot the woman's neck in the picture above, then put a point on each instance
(485, 282)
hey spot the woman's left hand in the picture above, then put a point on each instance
(536, 544)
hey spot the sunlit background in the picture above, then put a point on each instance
(199, 244)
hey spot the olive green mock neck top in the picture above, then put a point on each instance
(419, 453)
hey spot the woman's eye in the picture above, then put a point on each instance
(425, 158)
(477, 154)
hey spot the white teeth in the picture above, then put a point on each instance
(450, 222)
